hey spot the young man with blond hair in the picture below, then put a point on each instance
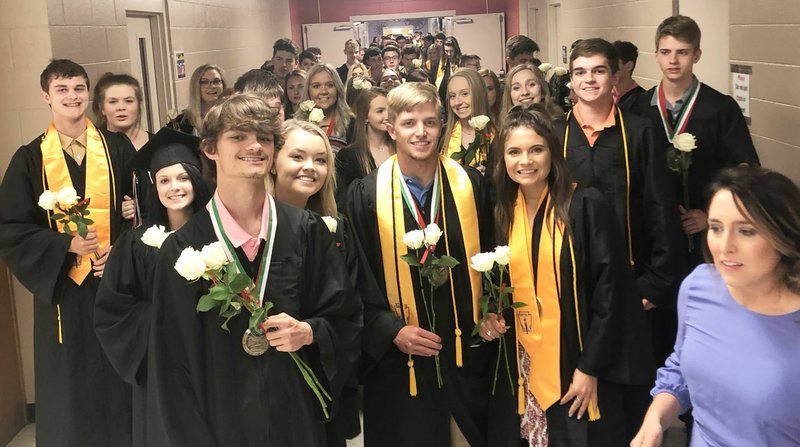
(422, 387)
(351, 49)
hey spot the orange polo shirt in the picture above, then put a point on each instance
(592, 133)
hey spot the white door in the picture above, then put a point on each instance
(330, 38)
(143, 68)
(484, 35)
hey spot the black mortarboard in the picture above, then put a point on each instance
(166, 148)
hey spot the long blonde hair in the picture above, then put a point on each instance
(323, 202)
(480, 102)
(547, 98)
(193, 113)
(341, 113)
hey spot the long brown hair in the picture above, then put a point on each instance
(360, 142)
(558, 180)
(772, 201)
(547, 100)
(108, 80)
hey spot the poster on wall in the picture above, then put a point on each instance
(180, 64)
(740, 88)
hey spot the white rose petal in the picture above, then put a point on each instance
(316, 116)
(545, 67)
(483, 262)
(48, 200)
(190, 265)
(479, 122)
(214, 256)
(67, 196)
(172, 114)
(684, 142)
(502, 254)
(417, 63)
(307, 105)
(414, 239)
(432, 234)
(358, 83)
(559, 71)
(331, 223)
(155, 236)
(568, 85)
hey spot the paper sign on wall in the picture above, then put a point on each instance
(180, 64)
(740, 87)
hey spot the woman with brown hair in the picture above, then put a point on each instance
(526, 85)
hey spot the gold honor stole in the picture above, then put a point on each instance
(391, 228)
(454, 145)
(55, 175)
(538, 323)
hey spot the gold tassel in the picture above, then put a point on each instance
(412, 377)
(60, 338)
(520, 396)
(459, 357)
(594, 412)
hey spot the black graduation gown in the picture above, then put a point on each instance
(80, 399)
(122, 318)
(181, 122)
(209, 391)
(348, 168)
(605, 306)
(627, 101)
(391, 416)
(723, 141)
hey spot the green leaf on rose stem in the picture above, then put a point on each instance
(448, 261)
(517, 305)
(205, 303)
(674, 160)
(236, 305)
(267, 305)
(74, 218)
(225, 323)
(470, 155)
(67, 228)
(57, 216)
(411, 260)
(230, 313)
(83, 230)
(219, 293)
(257, 317)
(477, 327)
(457, 155)
(88, 221)
(240, 282)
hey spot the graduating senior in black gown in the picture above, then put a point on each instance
(80, 399)
(210, 391)
(614, 151)
(403, 406)
(122, 312)
(568, 267)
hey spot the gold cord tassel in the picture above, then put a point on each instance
(520, 396)
(412, 377)
(459, 356)
(60, 338)
(594, 412)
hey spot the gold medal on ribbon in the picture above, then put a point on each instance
(254, 345)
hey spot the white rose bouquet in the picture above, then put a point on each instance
(155, 236)
(496, 298)
(480, 145)
(679, 159)
(70, 209)
(436, 270)
(233, 291)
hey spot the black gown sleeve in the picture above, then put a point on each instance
(36, 254)
(737, 144)
(123, 305)
(381, 325)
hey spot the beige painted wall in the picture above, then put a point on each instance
(236, 34)
(763, 35)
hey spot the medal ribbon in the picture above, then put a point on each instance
(435, 204)
(683, 116)
(266, 255)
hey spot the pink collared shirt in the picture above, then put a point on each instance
(237, 235)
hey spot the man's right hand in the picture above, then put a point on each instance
(413, 340)
(83, 247)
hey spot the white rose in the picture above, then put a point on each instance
(414, 239)
(479, 122)
(502, 254)
(684, 142)
(316, 116)
(432, 234)
(155, 236)
(190, 265)
(214, 256)
(358, 83)
(67, 196)
(48, 200)
(559, 71)
(307, 105)
(568, 85)
(331, 223)
(545, 67)
(172, 114)
(417, 63)
(483, 262)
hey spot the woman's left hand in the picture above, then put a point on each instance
(582, 392)
(99, 265)
(128, 208)
(286, 334)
